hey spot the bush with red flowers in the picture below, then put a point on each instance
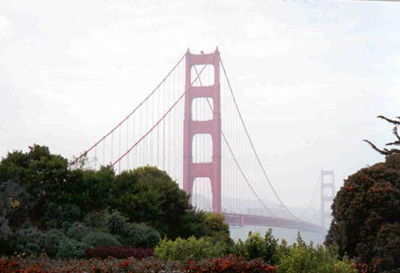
(228, 264)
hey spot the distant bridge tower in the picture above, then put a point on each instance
(211, 170)
(327, 195)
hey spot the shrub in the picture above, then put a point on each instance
(115, 222)
(94, 219)
(77, 231)
(44, 264)
(56, 214)
(6, 236)
(141, 235)
(257, 246)
(100, 239)
(228, 264)
(71, 249)
(217, 228)
(303, 258)
(189, 249)
(53, 241)
(119, 252)
(29, 241)
(111, 222)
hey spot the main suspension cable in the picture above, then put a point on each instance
(161, 119)
(252, 144)
(234, 157)
(128, 116)
(311, 200)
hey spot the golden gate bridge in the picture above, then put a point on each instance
(191, 126)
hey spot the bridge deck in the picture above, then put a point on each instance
(254, 220)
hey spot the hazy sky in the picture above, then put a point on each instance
(310, 76)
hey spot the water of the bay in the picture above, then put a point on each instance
(289, 235)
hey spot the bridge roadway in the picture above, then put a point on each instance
(254, 220)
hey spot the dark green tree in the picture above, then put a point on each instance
(48, 191)
(149, 195)
(95, 188)
(39, 192)
(366, 212)
(43, 175)
(15, 203)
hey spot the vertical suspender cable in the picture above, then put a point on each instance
(119, 152)
(127, 144)
(252, 145)
(130, 114)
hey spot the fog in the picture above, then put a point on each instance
(310, 76)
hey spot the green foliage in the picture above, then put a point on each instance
(151, 196)
(77, 231)
(42, 190)
(96, 188)
(141, 235)
(303, 258)
(364, 211)
(71, 249)
(15, 203)
(29, 240)
(217, 228)
(47, 181)
(189, 249)
(192, 224)
(388, 247)
(53, 241)
(257, 246)
(56, 215)
(100, 239)
(116, 223)
(94, 219)
(38, 192)
(6, 236)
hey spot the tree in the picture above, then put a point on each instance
(366, 212)
(217, 228)
(44, 176)
(39, 192)
(15, 203)
(386, 151)
(96, 188)
(149, 195)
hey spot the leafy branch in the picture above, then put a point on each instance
(391, 151)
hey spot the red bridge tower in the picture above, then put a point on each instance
(327, 195)
(211, 170)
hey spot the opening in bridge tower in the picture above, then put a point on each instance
(201, 87)
(327, 196)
